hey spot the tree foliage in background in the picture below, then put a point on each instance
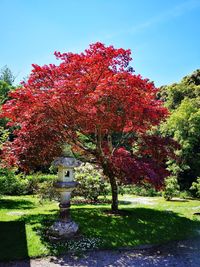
(172, 188)
(183, 100)
(196, 187)
(5, 89)
(9, 183)
(6, 75)
(6, 81)
(93, 102)
(173, 94)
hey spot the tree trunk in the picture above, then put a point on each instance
(114, 190)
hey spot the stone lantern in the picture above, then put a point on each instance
(64, 185)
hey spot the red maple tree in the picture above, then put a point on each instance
(93, 102)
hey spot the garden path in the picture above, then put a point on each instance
(181, 254)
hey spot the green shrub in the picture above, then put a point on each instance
(91, 183)
(196, 187)
(11, 184)
(46, 191)
(172, 188)
(144, 189)
(36, 180)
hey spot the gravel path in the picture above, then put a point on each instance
(183, 254)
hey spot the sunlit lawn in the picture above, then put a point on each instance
(24, 221)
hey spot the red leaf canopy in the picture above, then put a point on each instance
(89, 96)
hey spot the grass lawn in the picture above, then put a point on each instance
(24, 221)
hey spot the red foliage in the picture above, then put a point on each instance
(93, 94)
(147, 164)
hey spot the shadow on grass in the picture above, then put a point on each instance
(178, 200)
(137, 226)
(16, 204)
(99, 203)
(90, 204)
(124, 202)
(13, 243)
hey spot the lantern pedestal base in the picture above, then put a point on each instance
(62, 229)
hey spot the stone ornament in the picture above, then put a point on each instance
(64, 185)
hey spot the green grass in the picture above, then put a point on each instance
(24, 222)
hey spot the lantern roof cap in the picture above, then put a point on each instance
(66, 162)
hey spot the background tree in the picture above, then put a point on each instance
(5, 89)
(93, 102)
(183, 100)
(188, 87)
(6, 75)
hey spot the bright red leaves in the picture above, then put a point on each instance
(92, 101)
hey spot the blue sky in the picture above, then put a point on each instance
(164, 35)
